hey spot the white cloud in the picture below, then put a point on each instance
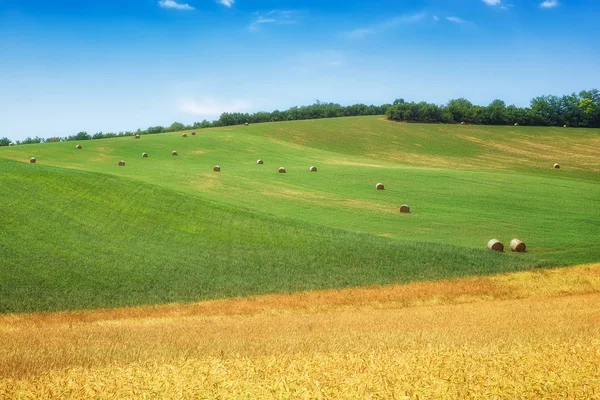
(456, 20)
(436, 18)
(226, 3)
(492, 2)
(211, 107)
(549, 4)
(279, 17)
(175, 5)
(405, 19)
(361, 33)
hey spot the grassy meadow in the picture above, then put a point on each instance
(78, 231)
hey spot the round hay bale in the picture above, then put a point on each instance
(193, 133)
(245, 124)
(121, 163)
(11, 144)
(404, 208)
(184, 135)
(556, 166)
(313, 169)
(565, 126)
(78, 147)
(216, 168)
(32, 160)
(516, 124)
(462, 123)
(259, 161)
(145, 155)
(137, 136)
(379, 186)
(173, 153)
(495, 245)
(518, 246)
(281, 170)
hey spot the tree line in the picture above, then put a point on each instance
(575, 110)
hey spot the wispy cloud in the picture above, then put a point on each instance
(226, 3)
(174, 5)
(456, 20)
(405, 19)
(549, 4)
(278, 17)
(492, 2)
(436, 18)
(361, 33)
(316, 62)
(211, 107)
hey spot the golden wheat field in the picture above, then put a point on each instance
(523, 335)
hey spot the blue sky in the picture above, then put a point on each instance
(111, 65)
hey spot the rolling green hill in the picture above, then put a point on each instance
(78, 231)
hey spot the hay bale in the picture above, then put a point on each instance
(495, 245)
(145, 155)
(32, 160)
(281, 170)
(379, 186)
(11, 144)
(518, 246)
(462, 123)
(193, 133)
(184, 135)
(556, 166)
(173, 153)
(516, 124)
(137, 136)
(565, 126)
(259, 161)
(245, 124)
(404, 208)
(216, 168)
(78, 147)
(313, 168)
(121, 163)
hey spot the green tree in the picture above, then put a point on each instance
(176, 126)
(460, 110)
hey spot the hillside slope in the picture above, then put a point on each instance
(74, 239)
(465, 184)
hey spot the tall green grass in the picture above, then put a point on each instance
(79, 231)
(76, 239)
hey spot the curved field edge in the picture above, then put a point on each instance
(526, 334)
(76, 240)
(461, 201)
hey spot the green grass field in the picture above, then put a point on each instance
(78, 231)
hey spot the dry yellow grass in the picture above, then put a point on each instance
(525, 335)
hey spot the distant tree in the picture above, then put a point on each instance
(4, 141)
(80, 136)
(460, 110)
(496, 113)
(176, 126)
(156, 129)
(30, 140)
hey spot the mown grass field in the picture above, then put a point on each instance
(520, 335)
(78, 231)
